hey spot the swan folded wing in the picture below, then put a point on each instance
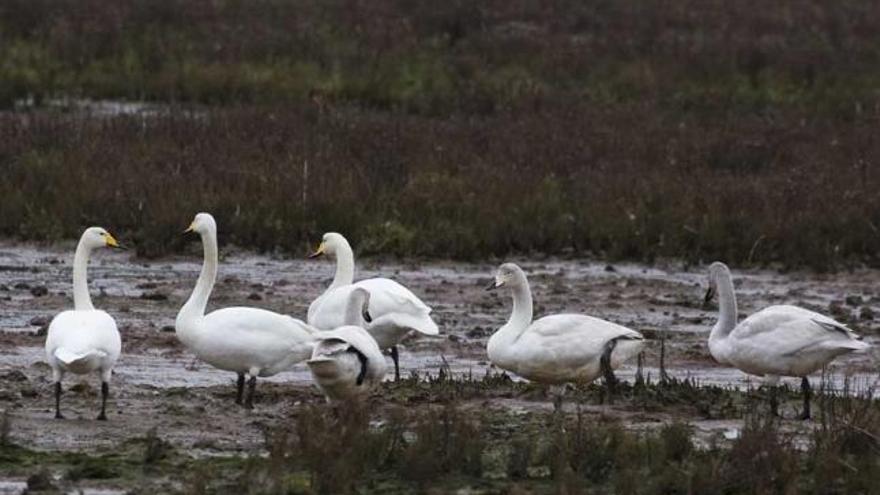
(421, 323)
(260, 323)
(574, 340)
(788, 319)
(388, 295)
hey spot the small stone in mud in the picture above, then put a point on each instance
(866, 313)
(41, 481)
(477, 332)
(39, 291)
(154, 296)
(147, 285)
(28, 392)
(4, 287)
(82, 388)
(22, 286)
(13, 376)
(854, 300)
(39, 321)
(253, 296)
(454, 338)
(167, 328)
(610, 269)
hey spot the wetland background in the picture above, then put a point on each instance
(611, 147)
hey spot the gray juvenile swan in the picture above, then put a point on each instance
(776, 341)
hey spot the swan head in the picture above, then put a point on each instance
(98, 237)
(359, 305)
(202, 224)
(717, 271)
(508, 275)
(331, 244)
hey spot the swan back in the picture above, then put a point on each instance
(789, 341)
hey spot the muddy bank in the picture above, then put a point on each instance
(158, 384)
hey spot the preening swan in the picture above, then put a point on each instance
(84, 339)
(556, 349)
(347, 362)
(776, 341)
(248, 341)
(395, 310)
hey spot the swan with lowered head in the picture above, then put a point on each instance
(248, 341)
(347, 362)
(776, 341)
(395, 310)
(84, 339)
(556, 349)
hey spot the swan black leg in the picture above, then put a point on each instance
(58, 414)
(239, 398)
(605, 366)
(105, 391)
(252, 385)
(396, 358)
(808, 393)
(774, 400)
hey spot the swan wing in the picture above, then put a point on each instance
(389, 301)
(571, 340)
(789, 330)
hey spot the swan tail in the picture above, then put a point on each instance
(837, 328)
(72, 359)
(421, 323)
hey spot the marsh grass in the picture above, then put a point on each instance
(453, 130)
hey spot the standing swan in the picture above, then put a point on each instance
(394, 308)
(84, 339)
(776, 341)
(556, 349)
(347, 362)
(248, 341)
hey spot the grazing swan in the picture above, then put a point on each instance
(556, 349)
(394, 308)
(84, 339)
(248, 341)
(776, 341)
(347, 362)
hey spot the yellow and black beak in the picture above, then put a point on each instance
(112, 242)
(189, 229)
(318, 252)
(494, 285)
(710, 293)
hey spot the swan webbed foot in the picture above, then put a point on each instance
(396, 358)
(102, 416)
(239, 398)
(58, 415)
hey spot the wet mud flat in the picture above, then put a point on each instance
(163, 399)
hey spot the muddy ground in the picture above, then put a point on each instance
(159, 385)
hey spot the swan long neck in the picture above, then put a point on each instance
(521, 316)
(198, 300)
(344, 267)
(82, 301)
(727, 307)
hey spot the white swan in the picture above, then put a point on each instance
(84, 339)
(248, 341)
(347, 362)
(395, 310)
(776, 341)
(556, 349)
